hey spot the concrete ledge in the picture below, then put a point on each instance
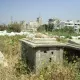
(45, 42)
(42, 43)
(77, 42)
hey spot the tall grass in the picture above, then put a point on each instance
(16, 70)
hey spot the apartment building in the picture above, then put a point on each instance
(71, 23)
(33, 25)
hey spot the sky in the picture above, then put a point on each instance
(29, 10)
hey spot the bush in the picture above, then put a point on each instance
(41, 28)
(3, 27)
(68, 36)
(20, 68)
(14, 27)
(57, 72)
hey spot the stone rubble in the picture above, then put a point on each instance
(3, 61)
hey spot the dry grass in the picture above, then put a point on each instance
(10, 46)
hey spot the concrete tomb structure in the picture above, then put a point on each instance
(38, 52)
(73, 50)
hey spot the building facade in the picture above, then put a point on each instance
(33, 25)
(69, 23)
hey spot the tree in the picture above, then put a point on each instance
(14, 27)
(51, 27)
(41, 28)
(3, 27)
(46, 27)
(68, 29)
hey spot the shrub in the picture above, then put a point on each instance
(20, 68)
(14, 27)
(3, 27)
(57, 72)
(41, 28)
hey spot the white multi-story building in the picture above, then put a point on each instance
(58, 24)
(70, 23)
(33, 25)
(77, 26)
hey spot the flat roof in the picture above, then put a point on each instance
(50, 42)
(42, 42)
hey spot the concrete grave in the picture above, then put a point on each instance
(38, 52)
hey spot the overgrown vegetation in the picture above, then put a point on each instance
(3, 27)
(16, 70)
(12, 27)
(50, 29)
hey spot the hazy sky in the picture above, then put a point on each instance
(29, 10)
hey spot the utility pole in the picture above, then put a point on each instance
(11, 19)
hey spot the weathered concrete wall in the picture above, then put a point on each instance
(39, 57)
(45, 55)
(28, 55)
